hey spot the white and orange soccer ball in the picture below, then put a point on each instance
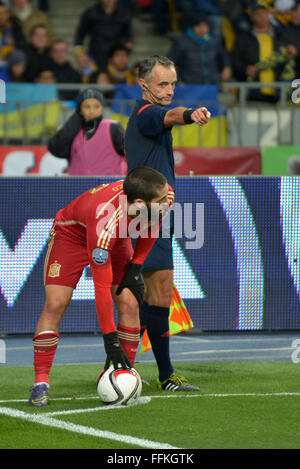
(119, 387)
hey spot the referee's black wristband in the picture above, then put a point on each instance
(187, 116)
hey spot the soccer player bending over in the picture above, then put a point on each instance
(94, 229)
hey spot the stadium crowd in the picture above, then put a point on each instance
(213, 41)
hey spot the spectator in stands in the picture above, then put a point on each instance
(234, 17)
(45, 76)
(118, 70)
(252, 47)
(30, 17)
(16, 62)
(101, 155)
(210, 8)
(11, 36)
(102, 78)
(285, 58)
(290, 37)
(282, 60)
(63, 70)
(135, 73)
(280, 10)
(107, 23)
(37, 52)
(199, 60)
(86, 66)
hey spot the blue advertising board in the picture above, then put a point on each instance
(236, 252)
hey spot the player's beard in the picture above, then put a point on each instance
(155, 213)
(150, 215)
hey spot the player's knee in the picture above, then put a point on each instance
(55, 305)
(127, 306)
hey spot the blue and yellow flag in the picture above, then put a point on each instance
(30, 110)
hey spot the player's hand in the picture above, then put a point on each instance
(115, 352)
(133, 280)
(201, 116)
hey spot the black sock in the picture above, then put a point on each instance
(156, 320)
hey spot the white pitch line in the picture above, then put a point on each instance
(246, 394)
(7, 401)
(157, 396)
(245, 350)
(46, 419)
(141, 400)
(147, 399)
(83, 430)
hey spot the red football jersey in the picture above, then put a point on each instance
(89, 231)
(99, 217)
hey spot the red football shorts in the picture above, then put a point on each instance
(66, 259)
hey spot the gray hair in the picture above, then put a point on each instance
(147, 65)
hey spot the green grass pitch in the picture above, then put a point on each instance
(240, 406)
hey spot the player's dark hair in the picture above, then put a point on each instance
(143, 183)
(147, 65)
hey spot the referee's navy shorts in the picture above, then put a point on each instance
(161, 255)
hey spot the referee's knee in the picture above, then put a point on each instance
(159, 296)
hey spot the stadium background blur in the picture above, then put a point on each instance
(235, 165)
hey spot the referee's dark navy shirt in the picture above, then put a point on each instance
(148, 142)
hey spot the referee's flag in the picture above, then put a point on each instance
(179, 320)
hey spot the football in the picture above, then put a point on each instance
(119, 387)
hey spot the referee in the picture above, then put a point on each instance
(148, 142)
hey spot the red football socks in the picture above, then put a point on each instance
(44, 348)
(129, 338)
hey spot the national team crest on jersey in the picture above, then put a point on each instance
(100, 256)
(54, 269)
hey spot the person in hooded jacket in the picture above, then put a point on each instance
(93, 145)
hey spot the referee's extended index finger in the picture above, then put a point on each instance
(201, 117)
(205, 111)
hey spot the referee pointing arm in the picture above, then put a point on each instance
(148, 142)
